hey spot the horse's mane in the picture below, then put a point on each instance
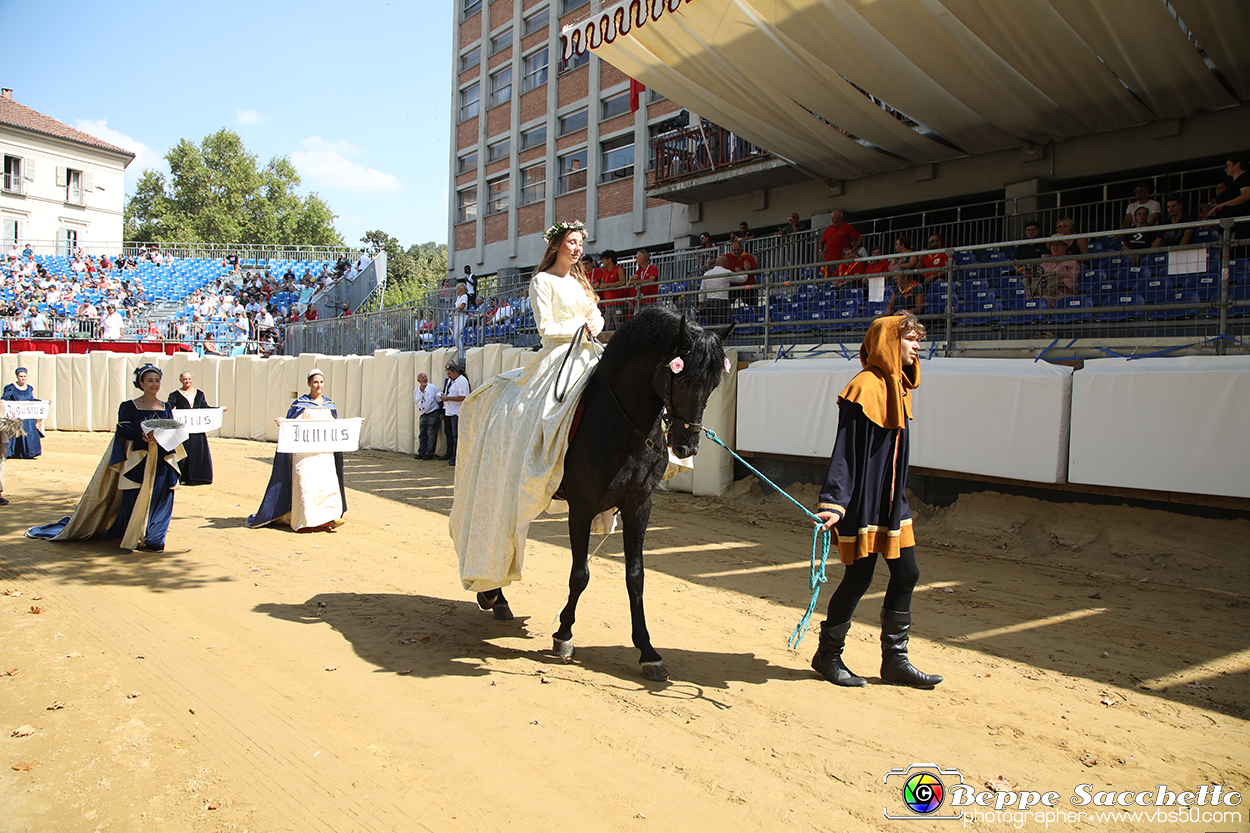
(654, 330)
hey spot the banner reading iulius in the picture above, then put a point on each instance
(32, 409)
(198, 420)
(306, 436)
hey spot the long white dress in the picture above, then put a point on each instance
(513, 435)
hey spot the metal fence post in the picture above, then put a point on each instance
(1226, 244)
(949, 269)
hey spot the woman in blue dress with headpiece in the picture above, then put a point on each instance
(131, 495)
(26, 447)
(306, 490)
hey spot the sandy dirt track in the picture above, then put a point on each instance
(264, 680)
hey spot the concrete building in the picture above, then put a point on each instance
(535, 139)
(60, 184)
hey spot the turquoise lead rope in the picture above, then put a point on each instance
(817, 575)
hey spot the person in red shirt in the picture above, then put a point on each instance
(742, 261)
(876, 267)
(840, 235)
(646, 278)
(612, 291)
(934, 261)
(850, 268)
(310, 314)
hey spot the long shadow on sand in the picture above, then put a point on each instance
(437, 637)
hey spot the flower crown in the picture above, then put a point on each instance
(555, 230)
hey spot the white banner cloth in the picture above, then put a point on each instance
(199, 420)
(168, 438)
(33, 409)
(301, 436)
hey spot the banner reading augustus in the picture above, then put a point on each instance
(199, 420)
(305, 436)
(34, 409)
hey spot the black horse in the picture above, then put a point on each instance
(638, 403)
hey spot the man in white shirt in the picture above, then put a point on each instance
(38, 322)
(715, 289)
(362, 262)
(425, 397)
(111, 326)
(1143, 200)
(459, 317)
(455, 389)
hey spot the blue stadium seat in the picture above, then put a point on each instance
(1073, 309)
(1154, 290)
(984, 306)
(1207, 286)
(1033, 309)
(1115, 305)
(1177, 297)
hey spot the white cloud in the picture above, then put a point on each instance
(325, 164)
(145, 157)
(246, 116)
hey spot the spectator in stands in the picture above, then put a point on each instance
(849, 268)
(906, 258)
(793, 225)
(705, 242)
(345, 311)
(1030, 250)
(470, 285)
(839, 236)
(744, 231)
(1057, 279)
(210, 346)
(459, 317)
(908, 296)
(741, 260)
(340, 266)
(39, 326)
(1065, 226)
(646, 278)
(361, 262)
(1237, 167)
(111, 326)
(311, 314)
(1154, 211)
(611, 290)
(1208, 210)
(232, 261)
(169, 259)
(1174, 237)
(876, 267)
(1140, 237)
(935, 261)
(715, 290)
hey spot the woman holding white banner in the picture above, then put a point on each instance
(306, 490)
(131, 495)
(197, 469)
(27, 446)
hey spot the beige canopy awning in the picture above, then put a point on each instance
(843, 88)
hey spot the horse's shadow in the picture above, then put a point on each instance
(427, 636)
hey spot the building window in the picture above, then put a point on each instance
(573, 171)
(573, 122)
(535, 137)
(75, 184)
(499, 150)
(500, 42)
(500, 87)
(615, 106)
(471, 7)
(466, 205)
(66, 242)
(471, 58)
(653, 96)
(616, 159)
(470, 98)
(497, 195)
(536, 22)
(533, 184)
(576, 61)
(13, 174)
(467, 163)
(9, 237)
(567, 6)
(535, 70)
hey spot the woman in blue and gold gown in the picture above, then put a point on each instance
(26, 447)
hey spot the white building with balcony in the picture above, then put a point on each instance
(60, 186)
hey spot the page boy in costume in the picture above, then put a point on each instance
(865, 498)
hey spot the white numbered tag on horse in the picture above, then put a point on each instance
(33, 409)
(306, 436)
(198, 420)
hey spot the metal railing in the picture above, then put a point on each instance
(254, 252)
(694, 150)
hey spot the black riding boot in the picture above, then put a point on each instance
(895, 667)
(828, 659)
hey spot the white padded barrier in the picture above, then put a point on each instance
(998, 417)
(1168, 424)
(713, 471)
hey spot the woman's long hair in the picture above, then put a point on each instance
(549, 259)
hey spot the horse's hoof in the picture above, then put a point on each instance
(503, 612)
(486, 601)
(655, 671)
(562, 649)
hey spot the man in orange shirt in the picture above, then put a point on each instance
(742, 261)
(934, 261)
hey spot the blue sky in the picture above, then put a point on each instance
(357, 94)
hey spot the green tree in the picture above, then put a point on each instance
(218, 193)
(410, 273)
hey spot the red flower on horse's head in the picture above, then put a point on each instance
(677, 365)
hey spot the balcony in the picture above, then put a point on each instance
(698, 164)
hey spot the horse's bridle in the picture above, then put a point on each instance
(667, 419)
